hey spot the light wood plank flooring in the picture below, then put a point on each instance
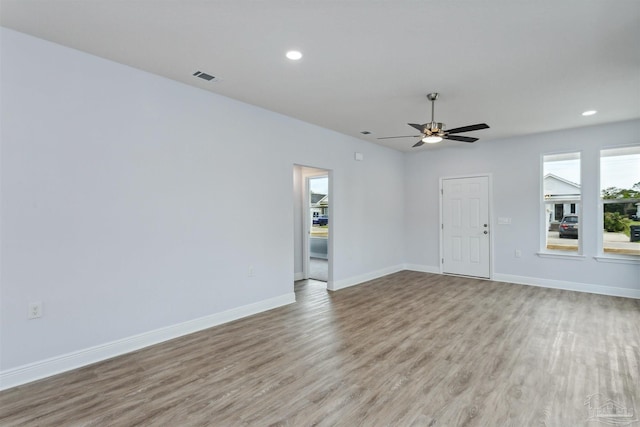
(409, 349)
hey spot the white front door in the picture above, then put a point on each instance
(465, 226)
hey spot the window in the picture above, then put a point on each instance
(620, 199)
(561, 202)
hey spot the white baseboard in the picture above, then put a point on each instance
(55, 365)
(568, 286)
(352, 281)
(545, 283)
(298, 276)
(422, 268)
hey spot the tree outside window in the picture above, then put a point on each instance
(620, 198)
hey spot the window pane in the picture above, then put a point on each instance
(319, 206)
(620, 192)
(562, 201)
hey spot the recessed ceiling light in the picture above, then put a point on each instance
(294, 55)
(589, 113)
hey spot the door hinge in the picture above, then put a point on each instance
(442, 226)
(443, 260)
(442, 191)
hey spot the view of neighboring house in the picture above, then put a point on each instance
(562, 197)
(319, 204)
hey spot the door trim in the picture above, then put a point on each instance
(489, 177)
(306, 219)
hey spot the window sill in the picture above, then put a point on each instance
(575, 257)
(618, 259)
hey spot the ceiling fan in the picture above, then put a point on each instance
(434, 132)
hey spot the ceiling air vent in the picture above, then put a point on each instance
(204, 76)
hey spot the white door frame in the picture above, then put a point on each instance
(306, 219)
(489, 177)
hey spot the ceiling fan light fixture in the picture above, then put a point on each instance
(432, 139)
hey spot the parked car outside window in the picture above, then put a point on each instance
(569, 226)
(321, 220)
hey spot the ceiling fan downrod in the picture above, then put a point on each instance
(434, 128)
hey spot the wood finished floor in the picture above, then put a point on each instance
(409, 349)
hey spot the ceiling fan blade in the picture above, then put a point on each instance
(469, 128)
(460, 138)
(416, 126)
(406, 136)
(418, 144)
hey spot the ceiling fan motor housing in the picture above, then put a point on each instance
(434, 128)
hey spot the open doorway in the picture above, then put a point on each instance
(312, 224)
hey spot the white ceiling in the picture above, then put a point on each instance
(520, 66)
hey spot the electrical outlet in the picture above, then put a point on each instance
(518, 253)
(35, 310)
(250, 271)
